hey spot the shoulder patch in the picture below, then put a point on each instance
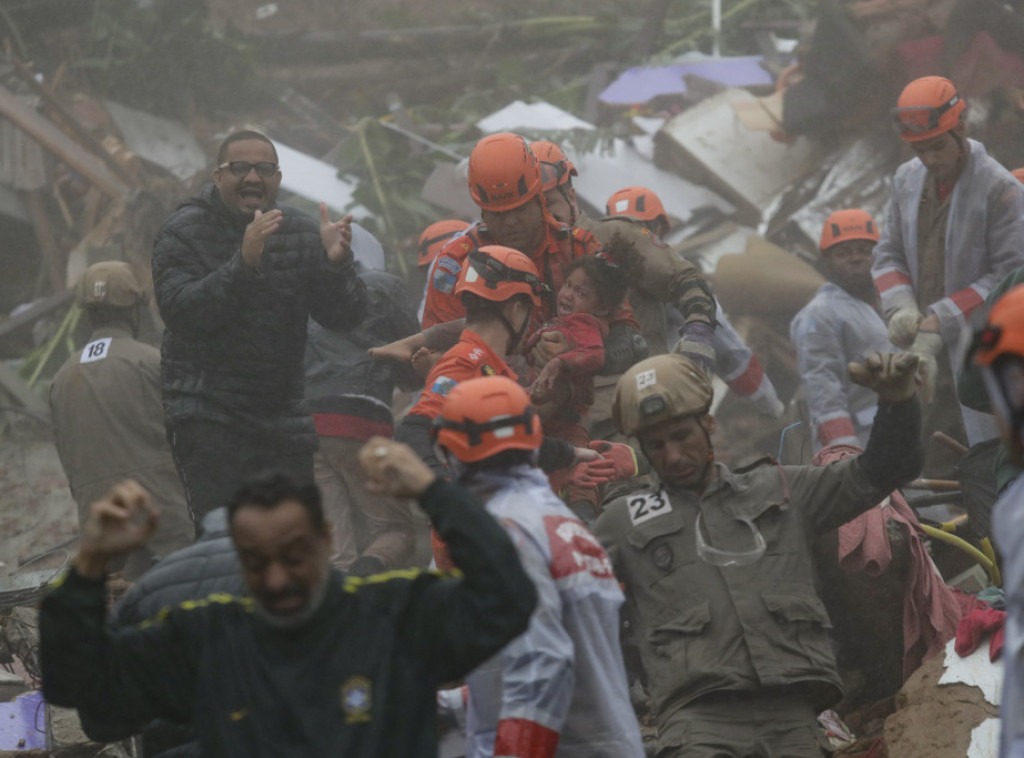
(444, 281)
(450, 265)
(443, 385)
(645, 506)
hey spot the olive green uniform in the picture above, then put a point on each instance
(666, 278)
(738, 658)
(108, 425)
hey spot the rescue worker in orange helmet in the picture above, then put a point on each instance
(664, 278)
(999, 352)
(560, 688)
(505, 181)
(500, 289)
(432, 240)
(953, 230)
(839, 326)
(734, 362)
(642, 203)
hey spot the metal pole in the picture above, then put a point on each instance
(716, 26)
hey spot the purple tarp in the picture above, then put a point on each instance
(639, 85)
(24, 718)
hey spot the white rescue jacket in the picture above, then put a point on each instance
(984, 242)
(834, 329)
(560, 688)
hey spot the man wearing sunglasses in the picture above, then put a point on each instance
(954, 228)
(717, 562)
(236, 278)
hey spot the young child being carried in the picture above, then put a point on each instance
(563, 389)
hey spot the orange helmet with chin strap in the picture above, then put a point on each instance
(638, 202)
(435, 237)
(499, 273)
(503, 172)
(927, 107)
(845, 225)
(485, 416)
(999, 350)
(555, 167)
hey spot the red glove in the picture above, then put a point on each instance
(995, 645)
(622, 456)
(593, 473)
(974, 627)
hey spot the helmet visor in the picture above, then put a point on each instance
(921, 119)
(553, 174)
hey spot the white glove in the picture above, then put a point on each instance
(903, 326)
(926, 347)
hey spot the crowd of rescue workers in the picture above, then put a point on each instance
(588, 555)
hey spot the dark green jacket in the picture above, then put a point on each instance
(358, 680)
(701, 628)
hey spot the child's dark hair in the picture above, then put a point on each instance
(611, 270)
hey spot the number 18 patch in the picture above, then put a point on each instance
(645, 507)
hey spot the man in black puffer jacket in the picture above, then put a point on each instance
(236, 279)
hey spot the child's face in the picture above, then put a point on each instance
(578, 295)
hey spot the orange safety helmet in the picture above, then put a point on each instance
(927, 107)
(498, 273)
(1003, 333)
(503, 172)
(850, 224)
(435, 237)
(999, 350)
(555, 167)
(485, 416)
(638, 202)
(1019, 173)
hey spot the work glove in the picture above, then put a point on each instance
(590, 474)
(893, 376)
(926, 347)
(695, 344)
(975, 627)
(903, 326)
(625, 460)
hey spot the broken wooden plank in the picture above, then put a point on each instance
(70, 122)
(61, 145)
(54, 258)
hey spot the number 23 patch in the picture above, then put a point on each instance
(645, 507)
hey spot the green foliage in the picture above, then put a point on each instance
(164, 56)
